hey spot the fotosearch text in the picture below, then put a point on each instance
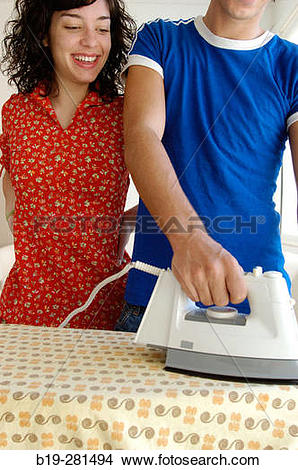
(225, 224)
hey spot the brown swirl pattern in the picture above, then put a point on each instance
(161, 410)
(68, 399)
(190, 393)
(207, 418)
(115, 404)
(21, 396)
(107, 446)
(293, 430)
(42, 420)
(88, 424)
(180, 438)
(30, 436)
(251, 424)
(65, 440)
(8, 417)
(278, 404)
(236, 398)
(135, 433)
(237, 444)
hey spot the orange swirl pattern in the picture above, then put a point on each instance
(90, 389)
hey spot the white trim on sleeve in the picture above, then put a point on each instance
(136, 59)
(292, 119)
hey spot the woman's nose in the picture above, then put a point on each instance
(89, 37)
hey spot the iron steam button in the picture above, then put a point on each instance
(221, 313)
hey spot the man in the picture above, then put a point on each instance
(209, 106)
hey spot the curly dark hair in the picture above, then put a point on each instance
(27, 62)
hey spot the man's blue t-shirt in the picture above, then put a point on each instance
(229, 104)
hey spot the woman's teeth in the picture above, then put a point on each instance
(82, 58)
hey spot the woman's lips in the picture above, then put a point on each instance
(85, 61)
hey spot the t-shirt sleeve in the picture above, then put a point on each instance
(4, 145)
(294, 114)
(146, 49)
(293, 93)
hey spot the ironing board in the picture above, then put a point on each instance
(89, 389)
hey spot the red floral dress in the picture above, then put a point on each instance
(70, 188)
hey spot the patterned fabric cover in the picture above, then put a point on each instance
(89, 389)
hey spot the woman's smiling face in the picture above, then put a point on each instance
(80, 43)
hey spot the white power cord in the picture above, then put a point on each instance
(147, 268)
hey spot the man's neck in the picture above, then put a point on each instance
(220, 22)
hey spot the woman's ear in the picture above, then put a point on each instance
(45, 42)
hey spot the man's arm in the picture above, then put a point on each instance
(206, 271)
(293, 134)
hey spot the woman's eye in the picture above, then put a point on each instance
(72, 27)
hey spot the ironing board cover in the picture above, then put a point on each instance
(90, 389)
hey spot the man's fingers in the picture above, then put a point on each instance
(202, 288)
(219, 291)
(188, 288)
(198, 291)
(236, 285)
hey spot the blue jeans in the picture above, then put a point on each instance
(130, 318)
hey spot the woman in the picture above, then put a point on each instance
(65, 182)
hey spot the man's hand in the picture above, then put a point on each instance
(207, 272)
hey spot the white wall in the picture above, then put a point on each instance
(284, 23)
(5, 91)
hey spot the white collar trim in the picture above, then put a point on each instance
(236, 44)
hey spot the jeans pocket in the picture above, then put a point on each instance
(130, 318)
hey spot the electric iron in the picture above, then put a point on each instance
(216, 341)
(219, 341)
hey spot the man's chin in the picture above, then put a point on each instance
(244, 13)
(245, 9)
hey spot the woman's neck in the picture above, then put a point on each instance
(66, 101)
(69, 96)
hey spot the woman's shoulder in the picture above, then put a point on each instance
(109, 107)
(117, 106)
(11, 108)
(19, 105)
(115, 103)
(16, 101)
(11, 102)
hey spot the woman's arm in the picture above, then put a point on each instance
(127, 226)
(9, 196)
